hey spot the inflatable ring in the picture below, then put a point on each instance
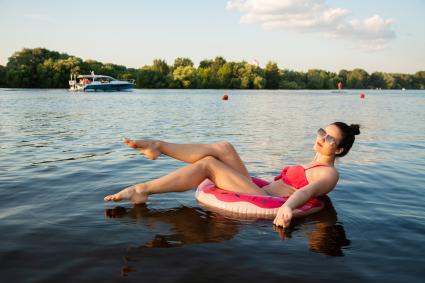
(250, 206)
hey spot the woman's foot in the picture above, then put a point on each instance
(133, 193)
(150, 148)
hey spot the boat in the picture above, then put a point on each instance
(94, 82)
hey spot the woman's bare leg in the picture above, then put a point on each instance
(189, 177)
(190, 153)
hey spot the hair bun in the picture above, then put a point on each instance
(355, 129)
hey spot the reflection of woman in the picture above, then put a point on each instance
(195, 226)
(326, 235)
(221, 163)
(188, 225)
(328, 240)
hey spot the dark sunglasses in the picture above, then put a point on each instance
(329, 139)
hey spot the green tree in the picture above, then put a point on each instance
(2, 76)
(161, 66)
(272, 75)
(185, 77)
(259, 82)
(40, 67)
(376, 80)
(148, 77)
(129, 74)
(343, 77)
(217, 63)
(402, 81)
(419, 80)
(315, 80)
(92, 66)
(357, 79)
(251, 76)
(182, 62)
(206, 78)
(225, 75)
(56, 73)
(206, 63)
(112, 70)
(155, 76)
(292, 80)
(326, 79)
(389, 81)
(210, 75)
(333, 81)
(63, 69)
(22, 66)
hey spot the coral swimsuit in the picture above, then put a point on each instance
(294, 176)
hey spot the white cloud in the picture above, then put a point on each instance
(315, 16)
(372, 28)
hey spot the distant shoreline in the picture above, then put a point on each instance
(43, 68)
(343, 91)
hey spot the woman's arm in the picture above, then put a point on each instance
(318, 188)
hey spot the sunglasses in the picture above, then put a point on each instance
(329, 139)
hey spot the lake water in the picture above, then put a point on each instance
(61, 153)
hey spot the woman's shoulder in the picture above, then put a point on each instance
(330, 172)
(315, 165)
(324, 170)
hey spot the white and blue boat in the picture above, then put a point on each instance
(98, 83)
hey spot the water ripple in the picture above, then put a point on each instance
(61, 154)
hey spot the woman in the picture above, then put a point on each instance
(221, 164)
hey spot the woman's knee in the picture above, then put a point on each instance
(224, 148)
(207, 162)
(208, 159)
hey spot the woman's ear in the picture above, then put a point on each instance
(339, 150)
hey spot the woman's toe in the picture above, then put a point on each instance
(110, 198)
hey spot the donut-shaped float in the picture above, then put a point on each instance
(251, 206)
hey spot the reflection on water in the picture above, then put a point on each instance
(61, 153)
(188, 226)
(192, 225)
(327, 236)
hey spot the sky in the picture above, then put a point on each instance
(375, 35)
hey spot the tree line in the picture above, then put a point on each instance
(42, 68)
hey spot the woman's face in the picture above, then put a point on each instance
(327, 140)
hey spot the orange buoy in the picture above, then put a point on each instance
(225, 97)
(362, 95)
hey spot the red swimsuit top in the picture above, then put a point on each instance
(294, 176)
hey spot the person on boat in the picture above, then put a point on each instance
(220, 163)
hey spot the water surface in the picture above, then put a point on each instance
(60, 153)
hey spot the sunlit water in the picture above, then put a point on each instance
(60, 153)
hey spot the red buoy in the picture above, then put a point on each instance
(225, 97)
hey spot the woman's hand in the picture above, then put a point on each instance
(283, 217)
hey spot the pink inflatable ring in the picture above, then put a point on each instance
(250, 206)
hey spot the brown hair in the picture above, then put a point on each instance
(348, 136)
